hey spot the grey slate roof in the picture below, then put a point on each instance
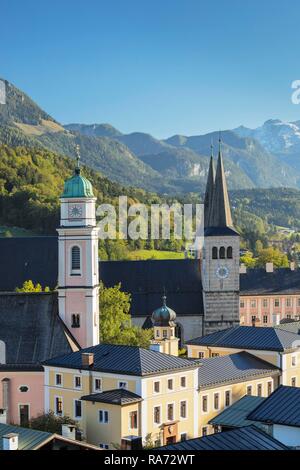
(29, 439)
(281, 281)
(235, 416)
(281, 407)
(247, 438)
(31, 330)
(118, 396)
(220, 212)
(233, 368)
(119, 359)
(249, 337)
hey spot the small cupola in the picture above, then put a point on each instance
(77, 185)
(164, 315)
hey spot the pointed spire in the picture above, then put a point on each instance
(209, 187)
(77, 168)
(220, 214)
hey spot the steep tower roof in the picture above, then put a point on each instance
(220, 213)
(208, 198)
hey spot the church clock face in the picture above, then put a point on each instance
(222, 272)
(75, 211)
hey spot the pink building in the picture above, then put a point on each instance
(268, 296)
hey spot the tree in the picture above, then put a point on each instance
(29, 286)
(115, 320)
(49, 422)
(248, 260)
(272, 255)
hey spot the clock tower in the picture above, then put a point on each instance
(220, 257)
(78, 271)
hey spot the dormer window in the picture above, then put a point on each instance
(75, 261)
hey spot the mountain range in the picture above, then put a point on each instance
(268, 156)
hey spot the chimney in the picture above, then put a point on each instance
(68, 431)
(6, 396)
(10, 441)
(3, 416)
(292, 265)
(243, 269)
(87, 359)
(269, 267)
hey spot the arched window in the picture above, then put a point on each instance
(222, 252)
(75, 259)
(215, 252)
(75, 320)
(229, 252)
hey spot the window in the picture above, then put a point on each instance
(242, 304)
(265, 303)
(222, 252)
(288, 302)
(227, 398)
(103, 416)
(77, 407)
(265, 319)
(133, 417)
(75, 259)
(24, 414)
(204, 431)
(58, 379)
(276, 302)
(249, 390)
(298, 302)
(215, 354)
(253, 319)
(23, 388)
(156, 414)
(77, 381)
(170, 412)
(215, 252)
(269, 388)
(183, 436)
(170, 384)
(183, 407)
(156, 387)
(253, 303)
(75, 320)
(216, 401)
(98, 385)
(259, 390)
(204, 404)
(182, 382)
(165, 333)
(229, 252)
(157, 333)
(289, 317)
(201, 354)
(123, 384)
(294, 361)
(104, 446)
(293, 382)
(58, 406)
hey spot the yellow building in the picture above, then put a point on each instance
(115, 392)
(274, 345)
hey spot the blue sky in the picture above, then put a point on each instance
(158, 66)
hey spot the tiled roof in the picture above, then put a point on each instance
(31, 330)
(249, 337)
(120, 359)
(118, 396)
(247, 438)
(233, 368)
(235, 416)
(281, 407)
(29, 439)
(259, 282)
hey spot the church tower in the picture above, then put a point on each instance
(220, 263)
(78, 271)
(163, 319)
